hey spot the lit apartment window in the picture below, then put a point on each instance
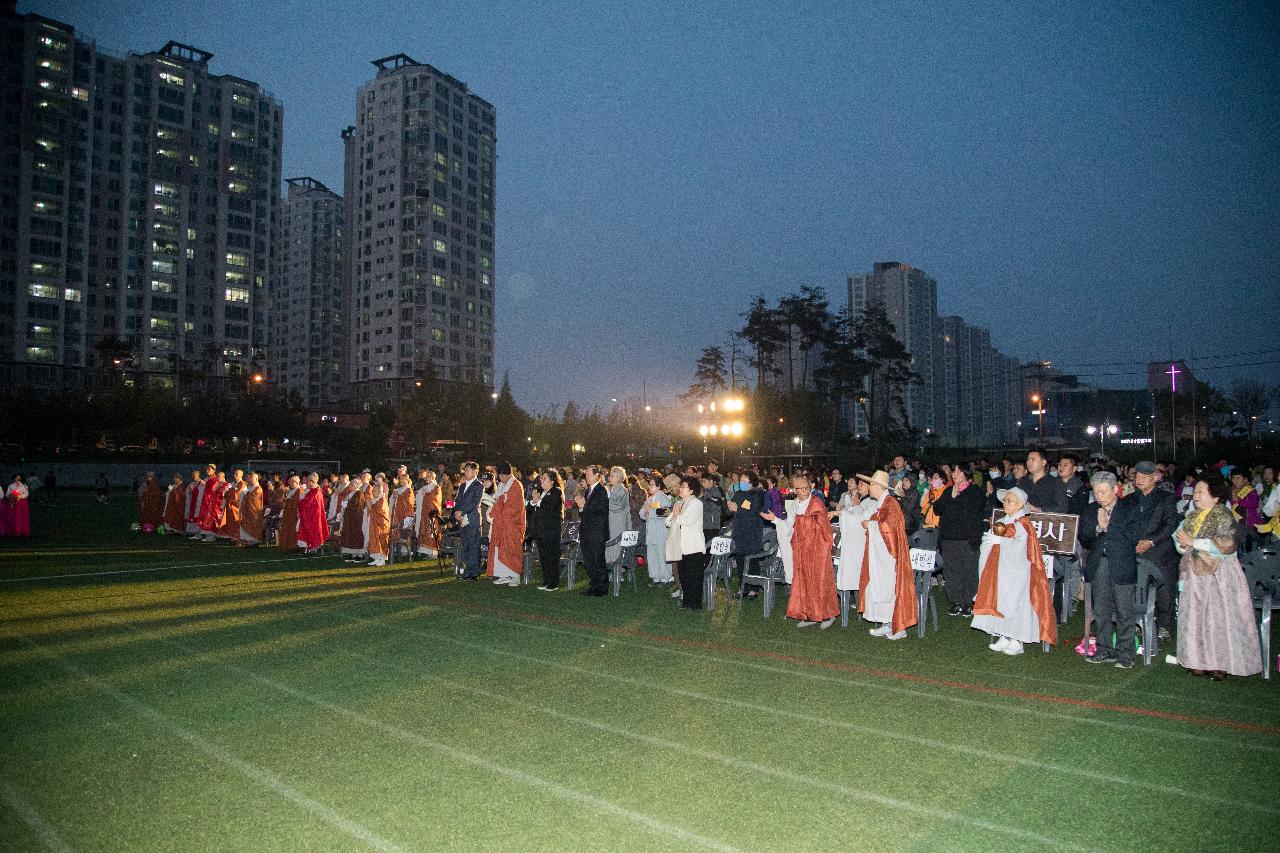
(158, 286)
(438, 210)
(43, 291)
(71, 294)
(165, 190)
(40, 354)
(237, 186)
(439, 246)
(237, 294)
(172, 79)
(237, 259)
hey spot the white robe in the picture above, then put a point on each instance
(853, 541)
(793, 509)
(1013, 587)
(193, 527)
(882, 571)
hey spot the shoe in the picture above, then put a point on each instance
(883, 631)
(675, 593)
(1124, 664)
(1100, 656)
(549, 588)
(999, 645)
(1163, 635)
(826, 623)
(1217, 675)
(901, 635)
(956, 610)
(967, 612)
(805, 623)
(1012, 647)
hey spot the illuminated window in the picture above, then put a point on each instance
(438, 210)
(164, 267)
(486, 261)
(43, 291)
(40, 354)
(50, 208)
(237, 186)
(165, 190)
(437, 280)
(236, 294)
(172, 79)
(71, 294)
(235, 278)
(161, 324)
(158, 286)
(79, 93)
(162, 209)
(439, 246)
(237, 259)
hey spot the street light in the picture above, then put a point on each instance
(1038, 410)
(1102, 431)
(799, 439)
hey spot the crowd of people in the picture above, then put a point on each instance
(831, 535)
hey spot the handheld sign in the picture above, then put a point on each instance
(922, 560)
(721, 545)
(629, 538)
(1055, 530)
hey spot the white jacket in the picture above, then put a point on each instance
(688, 527)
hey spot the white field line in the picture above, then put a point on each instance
(254, 773)
(736, 763)
(556, 789)
(943, 745)
(879, 684)
(43, 830)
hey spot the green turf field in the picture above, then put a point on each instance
(235, 700)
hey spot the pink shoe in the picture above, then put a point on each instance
(1090, 642)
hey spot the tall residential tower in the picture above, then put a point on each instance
(420, 167)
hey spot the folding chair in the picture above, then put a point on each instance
(926, 539)
(624, 562)
(571, 551)
(1262, 573)
(764, 570)
(1144, 607)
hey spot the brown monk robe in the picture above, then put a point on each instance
(378, 516)
(352, 538)
(402, 508)
(251, 509)
(428, 514)
(230, 527)
(287, 534)
(150, 504)
(175, 506)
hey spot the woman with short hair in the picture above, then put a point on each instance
(685, 526)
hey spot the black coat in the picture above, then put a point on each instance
(595, 515)
(748, 526)
(548, 516)
(1160, 518)
(1117, 544)
(961, 519)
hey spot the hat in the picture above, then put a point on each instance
(1015, 492)
(880, 478)
(1146, 466)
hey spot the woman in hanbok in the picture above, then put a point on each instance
(1217, 635)
(18, 506)
(1013, 603)
(653, 513)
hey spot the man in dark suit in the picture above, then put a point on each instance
(593, 508)
(467, 506)
(1155, 549)
(1111, 533)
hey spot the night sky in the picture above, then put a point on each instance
(1096, 182)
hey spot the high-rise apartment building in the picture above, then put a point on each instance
(420, 169)
(308, 352)
(139, 208)
(910, 298)
(969, 391)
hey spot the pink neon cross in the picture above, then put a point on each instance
(1173, 372)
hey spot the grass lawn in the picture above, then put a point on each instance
(159, 694)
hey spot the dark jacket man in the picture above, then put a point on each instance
(1118, 543)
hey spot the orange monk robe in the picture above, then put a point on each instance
(893, 530)
(175, 505)
(402, 506)
(506, 534)
(287, 533)
(151, 506)
(251, 508)
(378, 516)
(428, 519)
(230, 527)
(813, 582)
(986, 601)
